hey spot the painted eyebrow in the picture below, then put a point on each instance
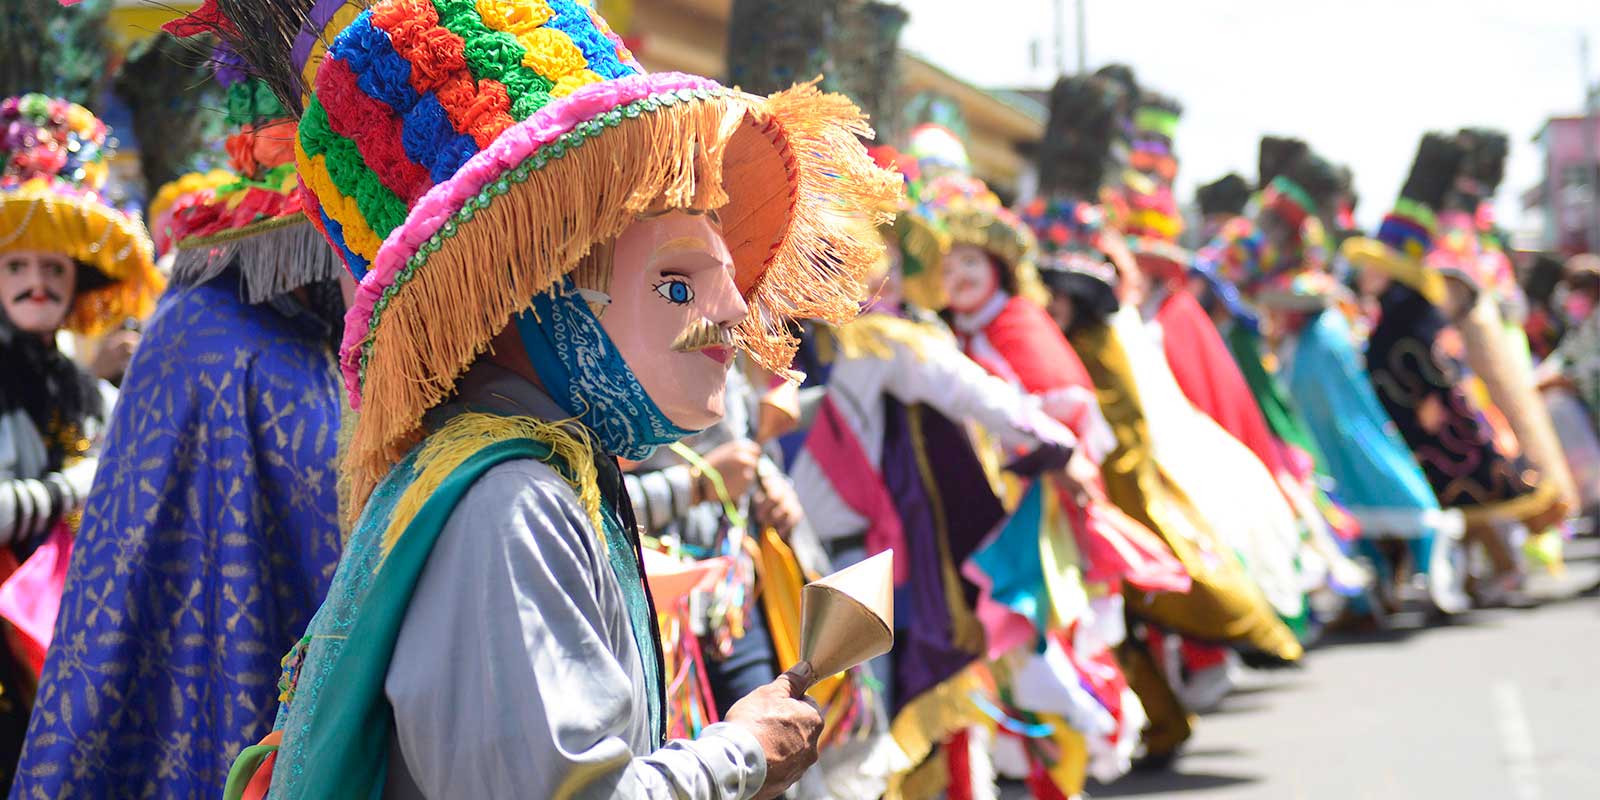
(683, 244)
(696, 248)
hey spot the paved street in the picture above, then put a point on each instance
(1501, 705)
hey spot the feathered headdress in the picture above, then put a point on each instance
(255, 223)
(1076, 153)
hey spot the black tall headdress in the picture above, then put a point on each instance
(1076, 151)
(1226, 195)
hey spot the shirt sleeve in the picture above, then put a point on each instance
(961, 389)
(659, 496)
(515, 674)
(30, 505)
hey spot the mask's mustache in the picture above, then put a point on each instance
(28, 295)
(702, 334)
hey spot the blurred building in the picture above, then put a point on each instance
(1000, 127)
(1563, 204)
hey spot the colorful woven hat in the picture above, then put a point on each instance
(922, 241)
(1154, 125)
(1148, 215)
(1456, 254)
(937, 151)
(52, 168)
(174, 196)
(466, 155)
(1144, 207)
(971, 214)
(1230, 265)
(254, 222)
(1408, 232)
(1244, 270)
(1079, 255)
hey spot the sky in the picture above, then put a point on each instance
(1361, 80)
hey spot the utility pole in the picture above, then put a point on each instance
(1059, 6)
(1060, 30)
(1591, 93)
(1083, 41)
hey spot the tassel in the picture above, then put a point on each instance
(273, 258)
(679, 157)
(465, 435)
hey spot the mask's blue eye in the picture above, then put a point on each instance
(675, 291)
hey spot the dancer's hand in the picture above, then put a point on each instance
(1080, 476)
(786, 723)
(779, 506)
(116, 350)
(736, 462)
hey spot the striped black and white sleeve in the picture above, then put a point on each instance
(29, 506)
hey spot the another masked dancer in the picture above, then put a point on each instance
(1415, 360)
(558, 254)
(996, 302)
(717, 506)
(1084, 263)
(886, 461)
(1570, 377)
(214, 523)
(68, 262)
(1266, 534)
(1495, 347)
(1277, 261)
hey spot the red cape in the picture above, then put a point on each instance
(1210, 378)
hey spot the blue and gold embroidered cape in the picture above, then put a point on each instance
(208, 540)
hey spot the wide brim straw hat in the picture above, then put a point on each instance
(52, 171)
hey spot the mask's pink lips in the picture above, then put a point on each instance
(717, 354)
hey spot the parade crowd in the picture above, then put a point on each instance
(474, 432)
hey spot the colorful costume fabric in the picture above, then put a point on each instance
(1345, 430)
(1223, 605)
(1212, 465)
(1414, 359)
(210, 538)
(53, 167)
(1082, 261)
(1377, 477)
(433, 136)
(893, 387)
(214, 524)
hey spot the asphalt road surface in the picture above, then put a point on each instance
(1502, 705)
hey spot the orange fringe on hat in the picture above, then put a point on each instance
(782, 170)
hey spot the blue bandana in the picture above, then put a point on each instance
(586, 375)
